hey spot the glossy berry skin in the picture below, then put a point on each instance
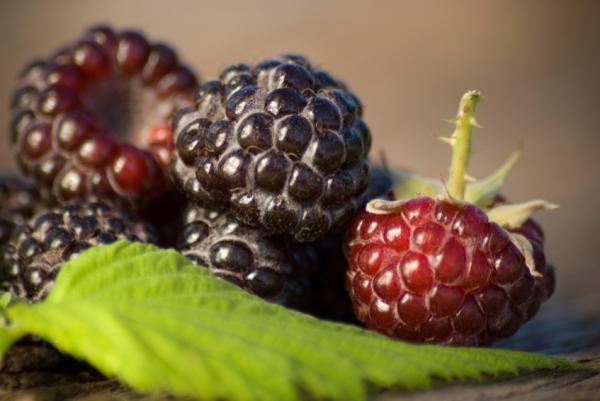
(282, 143)
(38, 249)
(436, 271)
(267, 266)
(93, 120)
(19, 201)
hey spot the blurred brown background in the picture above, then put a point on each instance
(536, 62)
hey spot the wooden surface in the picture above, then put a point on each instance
(560, 329)
(580, 386)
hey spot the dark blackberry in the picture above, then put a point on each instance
(267, 266)
(283, 143)
(38, 249)
(92, 121)
(19, 201)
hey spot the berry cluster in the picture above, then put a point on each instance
(273, 191)
(265, 157)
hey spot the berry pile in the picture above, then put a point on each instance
(273, 192)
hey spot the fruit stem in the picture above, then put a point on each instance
(461, 144)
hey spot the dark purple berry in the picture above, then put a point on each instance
(286, 149)
(267, 266)
(40, 246)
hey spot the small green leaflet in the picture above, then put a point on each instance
(158, 323)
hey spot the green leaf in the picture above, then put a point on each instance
(159, 323)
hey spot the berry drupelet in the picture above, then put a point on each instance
(461, 268)
(267, 266)
(283, 144)
(37, 250)
(93, 120)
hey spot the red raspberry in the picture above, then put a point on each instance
(93, 120)
(457, 267)
(438, 271)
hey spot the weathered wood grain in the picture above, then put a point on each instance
(574, 386)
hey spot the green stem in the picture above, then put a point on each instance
(461, 144)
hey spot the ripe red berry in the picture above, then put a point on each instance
(93, 120)
(438, 271)
(459, 266)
